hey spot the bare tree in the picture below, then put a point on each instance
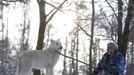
(119, 18)
(128, 22)
(72, 52)
(92, 36)
(25, 30)
(122, 27)
(123, 32)
(64, 61)
(5, 51)
(48, 31)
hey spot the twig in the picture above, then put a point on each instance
(73, 58)
(112, 8)
(55, 12)
(83, 29)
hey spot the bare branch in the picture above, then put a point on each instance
(55, 12)
(73, 58)
(82, 29)
(112, 8)
(13, 0)
(110, 25)
(50, 12)
(53, 6)
(5, 4)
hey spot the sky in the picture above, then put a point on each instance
(62, 24)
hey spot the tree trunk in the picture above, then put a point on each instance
(120, 14)
(42, 28)
(77, 51)
(42, 24)
(128, 21)
(64, 60)
(123, 37)
(91, 41)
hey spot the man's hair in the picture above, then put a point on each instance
(112, 45)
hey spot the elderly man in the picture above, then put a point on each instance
(112, 62)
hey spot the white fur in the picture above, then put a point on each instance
(39, 59)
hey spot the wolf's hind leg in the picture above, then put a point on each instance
(24, 68)
(49, 71)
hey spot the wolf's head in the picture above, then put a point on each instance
(55, 45)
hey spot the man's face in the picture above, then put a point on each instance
(110, 51)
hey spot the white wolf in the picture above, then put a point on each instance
(39, 59)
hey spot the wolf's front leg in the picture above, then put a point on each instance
(49, 71)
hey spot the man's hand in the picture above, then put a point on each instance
(95, 72)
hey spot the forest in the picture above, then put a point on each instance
(83, 26)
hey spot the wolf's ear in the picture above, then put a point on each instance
(51, 40)
(58, 39)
